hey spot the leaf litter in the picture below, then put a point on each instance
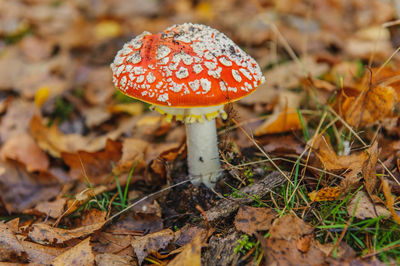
(74, 153)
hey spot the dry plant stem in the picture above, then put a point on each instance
(203, 155)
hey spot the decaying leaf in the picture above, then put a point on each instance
(16, 120)
(347, 165)
(365, 207)
(290, 227)
(24, 149)
(369, 169)
(95, 165)
(80, 254)
(325, 194)
(109, 259)
(53, 209)
(191, 253)
(251, 219)
(44, 233)
(286, 252)
(10, 247)
(147, 244)
(22, 190)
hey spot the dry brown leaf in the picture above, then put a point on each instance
(325, 194)
(16, 120)
(53, 209)
(53, 141)
(95, 116)
(365, 207)
(137, 224)
(25, 150)
(285, 252)
(348, 165)
(153, 242)
(40, 254)
(97, 166)
(92, 216)
(133, 150)
(80, 254)
(191, 253)
(10, 247)
(109, 259)
(290, 227)
(369, 169)
(251, 219)
(45, 234)
(390, 200)
(22, 190)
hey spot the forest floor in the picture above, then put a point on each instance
(311, 159)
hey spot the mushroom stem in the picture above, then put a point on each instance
(202, 153)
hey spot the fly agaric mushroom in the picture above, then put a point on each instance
(189, 72)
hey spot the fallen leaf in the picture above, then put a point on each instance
(137, 223)
(153, 242)
(369, 169)
(16, 120)
(129, 108)
(40, 254)
(42, 94)
(390, 200)
(367, 102)
(290, 227)
(95, 166)
(53, 141)
(348, 165)
(365, 207)
(80, 254)
(22, 190)
(285, 252)
(24, 149)
(53, 209)
(284, 121)
(46, 234)
(286, 144)
(95, 116)
(83, 197)
(109, 259)
(191, 253)
(98, 87)
(325, 194)
(251, 219)
(107, 29)
(10, 247)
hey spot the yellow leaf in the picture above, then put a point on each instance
(107, 29)
(130, 108)
(42, 94)
(286, 120)
(325, 194)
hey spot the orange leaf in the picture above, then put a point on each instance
(325, 194)
(389, 200)
(286, 120)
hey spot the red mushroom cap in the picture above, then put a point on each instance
(188, 65)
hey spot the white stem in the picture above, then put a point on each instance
(203, 156)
